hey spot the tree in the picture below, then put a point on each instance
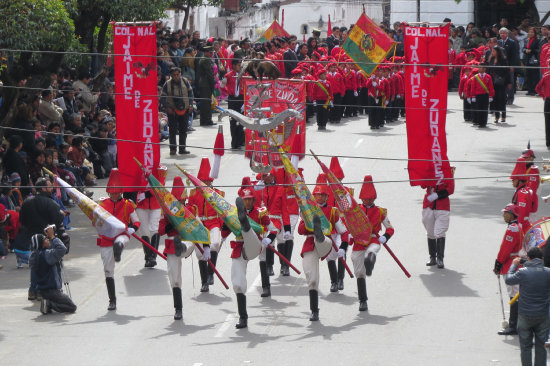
(31, 25)
(187, 5)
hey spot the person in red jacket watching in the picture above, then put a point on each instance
(482, 92)
(435, 217)
(322, 96)
(111, 248)
(509, 249)
(336, 81)
(462, 90)
(235, 101)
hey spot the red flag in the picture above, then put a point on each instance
(426, 103)
(329, 31)
(136, 101)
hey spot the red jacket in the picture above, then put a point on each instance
(524, 199)
(462, 88)
(336, 82)
(318, 94)
(202, 209)
(121, 209)
(11, 227)
(378, 216)
(350, 80)
(443, 190)
(477, 89)
(510, 246)
(376, 89)
(543, 87)
(168, 242)
(148, 203)
(273, 197)
(231, 77)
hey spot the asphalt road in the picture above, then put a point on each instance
(437, 317)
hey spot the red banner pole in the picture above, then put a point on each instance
(397, 260)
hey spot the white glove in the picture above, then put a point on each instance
(259, 186)
(387, 102)
(140, 196)
(490, 99)
(331, 104)
(399, 97)
(266, 242)
(469, 100)
(130, 230)
(355, 94)
(382, 239)
(374, 84)
(287, 235)
(314, 103)
(341, 253)
(206, 253)
(432, 197)
(474, 99)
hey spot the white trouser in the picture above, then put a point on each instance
(293, 222)
(108, 257)
(333, 254)
(238, 274)
(173, 267)
(358, 259)
(436, 222)
(310, 263)
(512, 290)
(149, 220)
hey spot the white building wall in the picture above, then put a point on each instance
(201, 14)
(433, 11)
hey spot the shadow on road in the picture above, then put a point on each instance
(112, 317)
(182, 329)
(149, 282)
(446, 283)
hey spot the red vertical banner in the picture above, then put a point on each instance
(136, 102)
(282, 95)
(426, 103)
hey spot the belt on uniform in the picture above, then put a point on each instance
(208, 218)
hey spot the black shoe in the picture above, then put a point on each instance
(314, 316)
(148, 264)
(286, 270)
(266, 292)
(172, 152)
(184, 152)
(204, 287)
(210, 279)
(178, 315)
(243, 323)
(270, 270)
(508, 331)
(334, 287)
(117, 251)
(243, 219)
(112, 305)
(152, 263)
(363, 306)
(31, 296)
(45, 307)
(431, 262)
(322, 128)
(340, 284)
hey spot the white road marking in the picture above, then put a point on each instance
(230, 319)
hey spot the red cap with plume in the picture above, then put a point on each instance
(367, 190)
(178, 188)
(114, 185)
(321, 187)
(336, 168)
(204, 170)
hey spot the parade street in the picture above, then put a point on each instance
(437, 317)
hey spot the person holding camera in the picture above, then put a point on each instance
(46, 263)
(534, 287)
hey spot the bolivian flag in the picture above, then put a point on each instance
(367, 44)
(274, 30)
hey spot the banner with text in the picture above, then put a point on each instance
(136, 101)
(426, 103)
(280, 96)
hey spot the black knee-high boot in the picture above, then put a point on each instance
(243, 315)
(155, 239)
(110, 281)
(269, 260)
(146, 251)
(341, 274)
(176, 293)
(362, 292)
(314, 305)
(214, 259)
(440, 248)
(288, 255)
(432, 251)
(333, 272)
(281, 247)
(203, 268)
(266, 286)
(512, 321)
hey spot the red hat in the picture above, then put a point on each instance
(367, 190)
(246, 193)
(528, 153)
(218, 143)
(336, 168)
(520, 170)
(316, 54)
(320, 72)
(331, 64)
(321, 187)
(296, 71)
(245, 184)
(204, 170)
(178, 189)
(114, 185)
(513, 209)
(160, 173)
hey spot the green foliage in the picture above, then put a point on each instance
(35, 25)
(182, 4)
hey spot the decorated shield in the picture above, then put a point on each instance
(537, 234)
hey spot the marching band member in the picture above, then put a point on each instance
(148, 211)
(364, 256)
(111, 248)
(523, 197)
(435, 217)
(509, 249)
(533, 175)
